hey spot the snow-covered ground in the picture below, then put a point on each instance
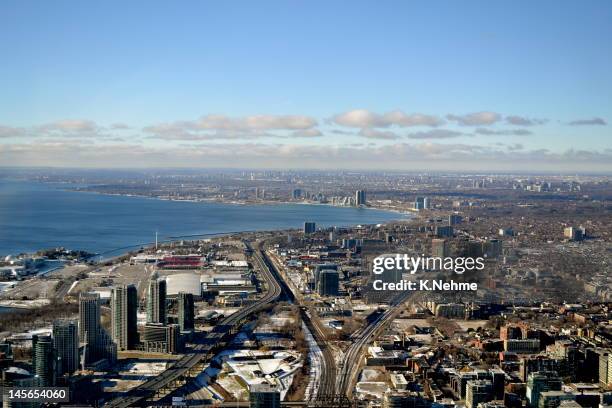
(7, 285)
(25, 304)
(26, 338)
(371, 389)
(315, 357)
(242, 368)
(134, 373)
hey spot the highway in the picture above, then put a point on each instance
(349, 369)
(202, 352)
(332, 381)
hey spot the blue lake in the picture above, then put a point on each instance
(35, 216)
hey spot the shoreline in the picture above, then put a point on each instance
(234, 202)
(109, 254)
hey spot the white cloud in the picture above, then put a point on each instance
(9, 131)
(502, 132)
(177, 133)
(589, 122)
(475, 119)
(119, 126)
(378, 134)
(256, 122)
(362, 118)
(70, 126)
(67, 128)
(435, 134)
(307, 133)
(399, 118)
(359, 118)
(524, 121)
(224, 127)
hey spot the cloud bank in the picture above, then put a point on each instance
(396, 141)
(397, 156)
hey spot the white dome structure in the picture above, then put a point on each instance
(183, 282)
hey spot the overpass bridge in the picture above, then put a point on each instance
(193, 363)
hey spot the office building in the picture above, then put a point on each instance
(532, 364)
(439, 248)
(450, 310)
(6, 353)
(522, 346)
(185, 311)
(477, 391)
(352, 243)
(124, 308)
(328, 284)
(444, 231)
(493, 248)
(160, 338)
(389, 275)
(454, 219)
(43, 360)
(97, 343)
(296, 194)
(539, 382)
(419, 203)
(475, 249)
(264, 396)
(89, 324)
(156, 300)
(498, 381)
(318, 268)
(309, 227)
(403, 398)
(360, 198)
(507, 332)
(479, 184)
(553, 399)
(605, 369)
(66, 345)
(574, 234)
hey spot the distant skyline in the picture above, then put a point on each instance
(387, 85)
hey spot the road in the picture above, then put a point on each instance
(202, 352)
(352, 357)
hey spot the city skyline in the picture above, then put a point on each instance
(398, 86)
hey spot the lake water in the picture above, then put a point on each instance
(35, 216)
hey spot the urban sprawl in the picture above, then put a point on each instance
(294, 317)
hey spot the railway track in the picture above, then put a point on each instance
(351, 362)
(202, 353)
(327, 379)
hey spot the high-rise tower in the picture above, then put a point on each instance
(124, 308)
(66, 344)
(43, 360)
(185, 311)
(360, 198)
(156, 301)
(89, 324)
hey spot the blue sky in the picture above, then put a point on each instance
(72, 69)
